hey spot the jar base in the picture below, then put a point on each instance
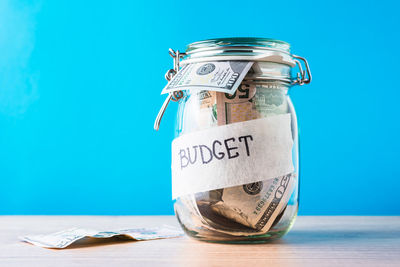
(267, 238)
(215, 237)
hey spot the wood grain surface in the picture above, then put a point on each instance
(314, 241)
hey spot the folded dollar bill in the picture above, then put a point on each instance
(221, 76)
(65, 238)
(256, 205)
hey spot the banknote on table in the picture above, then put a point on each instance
(219, 76)
(65, 238)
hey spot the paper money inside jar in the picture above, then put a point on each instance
(235, 161)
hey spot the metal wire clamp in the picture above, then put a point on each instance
(302, 77)
(174, 96)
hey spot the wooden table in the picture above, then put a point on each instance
(314, 241)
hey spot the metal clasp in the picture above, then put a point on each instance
(301, 76)
(174, 96)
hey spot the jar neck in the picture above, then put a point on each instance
(269, 71)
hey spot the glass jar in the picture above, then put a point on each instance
(245, 189)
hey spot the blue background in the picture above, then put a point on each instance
(80, 86)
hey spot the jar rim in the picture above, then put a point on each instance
(239, 48)
(255, 42)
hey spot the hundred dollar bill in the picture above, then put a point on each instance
(256, 205)
(226, 219)
(221, 76)
(65, 238)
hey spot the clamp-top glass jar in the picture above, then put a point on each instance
(235, 162)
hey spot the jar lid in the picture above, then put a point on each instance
(239, 48)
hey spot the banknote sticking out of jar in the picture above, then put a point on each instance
(235, 161)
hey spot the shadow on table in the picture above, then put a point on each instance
(320, 237)
(329, 236)
(95, 242)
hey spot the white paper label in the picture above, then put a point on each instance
(232, 155)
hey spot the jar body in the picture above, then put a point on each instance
(228, 214)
